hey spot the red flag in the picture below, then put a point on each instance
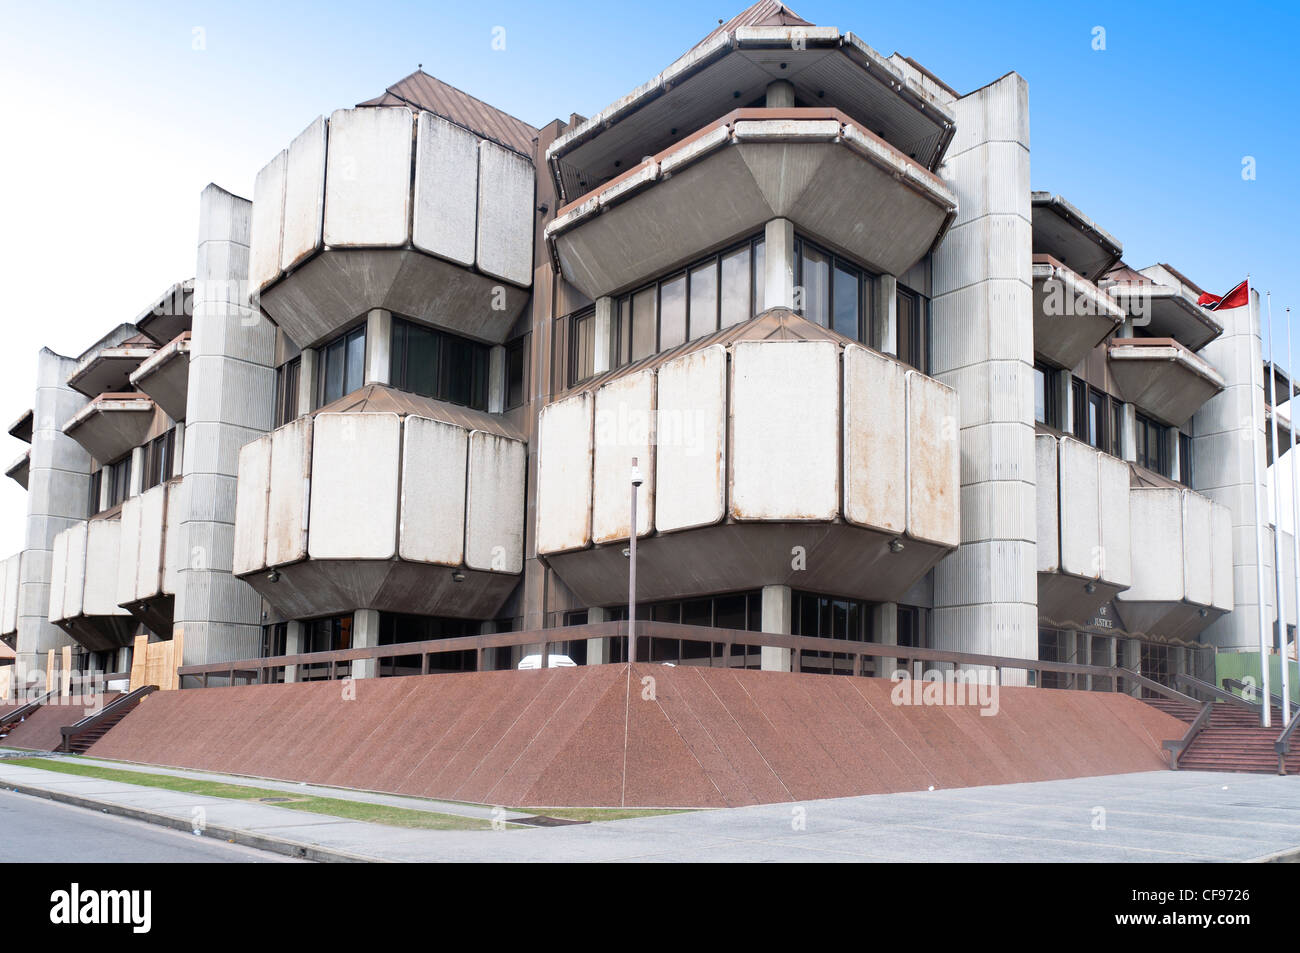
(1235, 298)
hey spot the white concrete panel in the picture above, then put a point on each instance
(13, 573)
(446, 189)
(1156, 520)
(433, 492)
(498, 472)
(174, 548)
(286, 515)
(1116, 544)
(251, 504)
(690, 458)
(268, 223)
(356, 460)
(103, 543)
(875, 440)
(785, 423)
(564, 474)
(153, 513)
(505, 214)
(58, 577)
(933, 461)
(74, 579)
(1221, 556)
(304, 195)
(1198, 561)
(368, 177)
(1080, 516)
(624, 424)
(1047, 503)
(128, 565)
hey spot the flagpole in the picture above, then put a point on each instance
(1295, 525)
(1265, 709)
(1280, 637)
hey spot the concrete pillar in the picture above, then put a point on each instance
(597, 649)
(780, 95)
(57, 489)
(982, 332)
(178, 451)
(105, 490)
(1066, 647)
(778, 264)
(365, 635)
(497, 379)
(1175, 458)
(884, 630)
(604, 334)
(1065, 400)
(307, 370)
(884, 310)
(1130, 657)
(233, 345)
(137, 472)
(777, 605)
(1128, 436)
(379, 346)
(293, 641)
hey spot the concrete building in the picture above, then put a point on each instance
(877, 386)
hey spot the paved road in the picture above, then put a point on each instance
(36, 830)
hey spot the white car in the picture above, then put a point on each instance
(552, 661)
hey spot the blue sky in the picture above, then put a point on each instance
(114, 121)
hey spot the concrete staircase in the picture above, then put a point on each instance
(1232, 741)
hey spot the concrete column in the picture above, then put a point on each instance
(604, 334)
(884, 630)
(1128, 438)
(1130, 654)
(307, 371)
(1065, 400)
(293, 646)
(231, 402)
(778, 264)
(137, 472)
(497, 379)
(597, 649)
(777, 604)
(57, 488)
(982, 331)
(780, 95)
(365, 634)
(379, 346)
(178, 451)
(1067, 646)
(105, 490)
(1175, 458)
(884, 310)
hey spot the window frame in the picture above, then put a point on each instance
(449, 348)
(343, 340)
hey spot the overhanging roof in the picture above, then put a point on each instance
(21, 429)
(734, 68)
(1071, 237)
(170, 314)
(1162, 310)
(108, 369)
(18, 470)
(112, 424)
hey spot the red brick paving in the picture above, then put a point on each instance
(40, 732)
(586, 736)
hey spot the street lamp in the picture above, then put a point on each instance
(637, 480)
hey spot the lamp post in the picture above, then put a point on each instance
(631, 569)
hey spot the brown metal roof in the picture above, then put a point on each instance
(775, 324)
(382, 399)
(422, 91)
(763, 13)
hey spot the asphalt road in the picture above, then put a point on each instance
(34, 830)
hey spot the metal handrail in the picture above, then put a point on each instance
(1283, 744)
(71, 732)
(1158, 687)
(1176, 748)
(1242, 686)
(22, 713)
(1218, 693)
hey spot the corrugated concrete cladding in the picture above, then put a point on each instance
(824, 445)
(587, 736)
(384, 207)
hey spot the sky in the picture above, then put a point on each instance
(113, 118)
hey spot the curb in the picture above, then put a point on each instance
(275, 845)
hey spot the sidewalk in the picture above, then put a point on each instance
(1159, 816)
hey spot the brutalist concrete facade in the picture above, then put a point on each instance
(877, 387)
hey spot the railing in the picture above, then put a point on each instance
(129, 700)
(1283, 744)
(1237, 684)
(721, 642)
(24, 711)
(1176, 748)
(1216, 693)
